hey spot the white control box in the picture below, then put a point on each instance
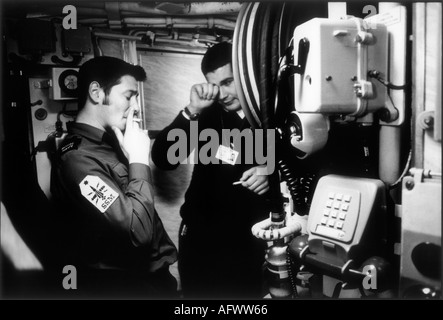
(333, 61)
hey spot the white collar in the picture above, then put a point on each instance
(241, 113)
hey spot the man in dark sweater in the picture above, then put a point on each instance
(218, 255)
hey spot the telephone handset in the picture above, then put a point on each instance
(345, 219)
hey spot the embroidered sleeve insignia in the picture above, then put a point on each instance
(98, 192)
(71, 144)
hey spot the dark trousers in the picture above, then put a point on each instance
(214, 266)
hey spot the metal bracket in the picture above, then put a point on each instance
(425, 120)
(420, 174)
(114, 18)
(389, 113)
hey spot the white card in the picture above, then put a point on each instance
(226, 154)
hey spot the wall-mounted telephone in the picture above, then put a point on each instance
(336, 56)
(346, 218)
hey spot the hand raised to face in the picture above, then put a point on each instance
(202, 96)
(134, 142)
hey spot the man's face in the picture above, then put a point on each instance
(117, 103)
(224, 79)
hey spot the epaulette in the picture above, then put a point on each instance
(69, 144)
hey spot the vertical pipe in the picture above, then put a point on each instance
(418, 80)
(389, 153)
(390, 135)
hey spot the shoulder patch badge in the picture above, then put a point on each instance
(98, 192)
(70, 144)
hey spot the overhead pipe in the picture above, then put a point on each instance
(137, 7)
(177, 26)
(96, 21)
(176, 49)
(168, 20)
(144, 32)
(197, 8)
(181, 36)
(208, 22)
(57, 11)
(114, 36)
(123, 6)
(93, 21)
(193, 8)
(99, 25)
(180, 42)
(129, 8)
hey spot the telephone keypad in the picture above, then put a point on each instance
(335, 212)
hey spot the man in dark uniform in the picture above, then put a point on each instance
(101, 182)
(218, 255)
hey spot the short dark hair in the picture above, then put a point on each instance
(107, 71)
(216, 56)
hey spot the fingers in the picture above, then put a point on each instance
(130, 119)
(251, 181)
(255, 182)
(262, 188)
(214, 93)
(136, 122)
(263, 191)
(248, 173)
(257, 185)
(206, 91)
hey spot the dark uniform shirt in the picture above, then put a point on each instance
(107, 205)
